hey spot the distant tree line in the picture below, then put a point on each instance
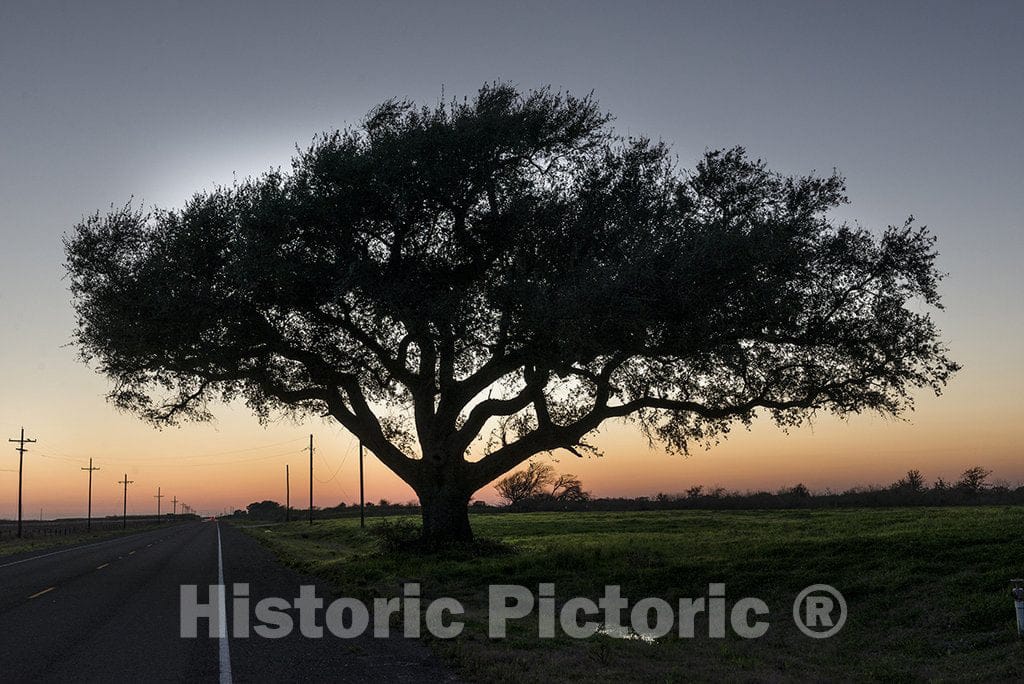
(540, 488)
(272, 511)
(973, 487)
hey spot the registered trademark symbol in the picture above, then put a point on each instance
(819, 611)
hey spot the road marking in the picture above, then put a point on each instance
(38, 594)
(222, 614)
(100, 567)
(131, 553)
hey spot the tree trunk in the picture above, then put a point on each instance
(445, 518)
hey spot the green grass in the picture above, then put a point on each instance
(11, 546)
(927, 589)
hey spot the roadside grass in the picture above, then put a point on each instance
(927, 589)
(13, 546)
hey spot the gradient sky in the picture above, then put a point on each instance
(919, 105)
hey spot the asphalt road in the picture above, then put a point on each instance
(110, 611)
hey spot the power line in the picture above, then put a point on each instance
(264, 457)
(88, 524)
(362, 493)
(328, 465)
(255, 448)
(124, 518)
(22, 441)
(167, 462)
(337, 482)
(59, 458)
(60, 455)
(310, 483)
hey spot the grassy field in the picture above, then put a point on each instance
(927, 589)
(10, 545)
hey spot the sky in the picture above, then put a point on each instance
(918, 104)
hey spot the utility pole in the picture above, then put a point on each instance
(174, 501)
(21, 463)
(124, 517)
(158, 497)
(311, 479)
(287, 494)
(362, 495)
(88, 523)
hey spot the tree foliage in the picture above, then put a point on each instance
(506, 266)
(523, 484)
(974, 479)
(913, 482)
(567, 488)
(540, 481)
(265, 510)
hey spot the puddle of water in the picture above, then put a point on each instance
(619, 632)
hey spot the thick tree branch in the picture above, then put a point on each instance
(484, 411)
(393, 364)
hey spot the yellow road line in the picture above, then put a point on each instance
(100, 567)
(36, 595)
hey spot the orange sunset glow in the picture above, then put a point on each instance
(235, 460)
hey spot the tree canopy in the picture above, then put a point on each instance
(540, 482)
(506, 268)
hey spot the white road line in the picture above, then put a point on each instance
(225, 655)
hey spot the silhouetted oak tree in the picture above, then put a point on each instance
(506, 268)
